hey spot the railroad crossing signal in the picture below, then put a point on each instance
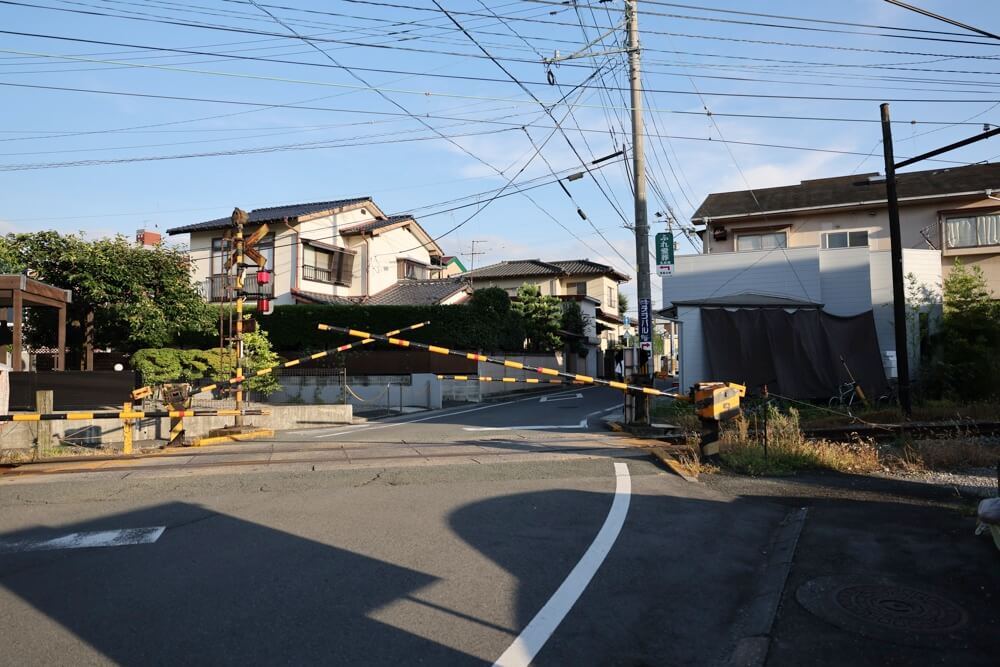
(249, 247)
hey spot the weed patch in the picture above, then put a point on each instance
(742, 449)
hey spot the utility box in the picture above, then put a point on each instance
(889, 364)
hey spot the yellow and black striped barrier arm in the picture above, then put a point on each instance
(583, 379)
(143, 392)
(488, 378)
(85, 416)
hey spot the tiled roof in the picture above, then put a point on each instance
(845, 190)
(750, 300)
(374, 225)
(524, 268)
(318, 298)
(576, 267)
(271, 214)
(418, 292)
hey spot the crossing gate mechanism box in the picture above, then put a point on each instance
(717, 401)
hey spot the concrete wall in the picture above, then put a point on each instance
(108, 431)
(424, 391)
(473, 391)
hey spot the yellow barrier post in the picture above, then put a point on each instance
(127, 430)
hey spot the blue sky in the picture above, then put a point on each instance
(353, 141)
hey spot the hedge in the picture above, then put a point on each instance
(462, 327)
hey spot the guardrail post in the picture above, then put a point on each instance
(126, 430)
(43, 404)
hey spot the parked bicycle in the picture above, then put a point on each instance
(846, 394)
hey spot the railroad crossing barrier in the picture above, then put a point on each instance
(582, 379)
(145, 392)
(487, 378)
(128, 416)
(123, 414)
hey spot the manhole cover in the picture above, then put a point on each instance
(883, 609)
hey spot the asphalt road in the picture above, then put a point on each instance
(436, 565)
(540, 540)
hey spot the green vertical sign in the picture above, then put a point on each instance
(665, 253)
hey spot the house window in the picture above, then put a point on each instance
(845, 240)
(972, 231)
(612, 297)
(579, 289)
(408, 269)
(761, 241)
(327, 264)
(223, 248)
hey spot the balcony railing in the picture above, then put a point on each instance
(214, 287)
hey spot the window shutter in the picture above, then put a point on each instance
(346, 272)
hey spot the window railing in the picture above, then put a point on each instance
(222, 287)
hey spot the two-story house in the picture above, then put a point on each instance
(338, 252)
(594, 286)
(822, 246)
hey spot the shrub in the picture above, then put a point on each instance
(965, 364)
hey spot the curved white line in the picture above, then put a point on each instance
(533, 637)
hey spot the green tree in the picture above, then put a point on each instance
(622, 303)
(966, 364)
(541, 317)
(136, 297)
(575, 321)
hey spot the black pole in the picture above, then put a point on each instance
(898, 297)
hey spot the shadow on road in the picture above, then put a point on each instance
(674, 590)
(215, 590)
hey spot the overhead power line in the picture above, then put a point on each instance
(541, 21)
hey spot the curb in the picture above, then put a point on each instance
(751, 649)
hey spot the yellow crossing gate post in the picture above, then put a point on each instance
(127, 429)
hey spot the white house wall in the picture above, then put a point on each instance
(845, 281)
(793, 273)
(384, 250)
(693, 359)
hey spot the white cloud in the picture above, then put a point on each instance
(771, 174)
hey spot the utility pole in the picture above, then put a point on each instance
(239, 219)
(896, 258)
(643, 286)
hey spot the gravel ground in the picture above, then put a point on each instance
(979, 482)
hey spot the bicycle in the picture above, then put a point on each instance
(844, 398)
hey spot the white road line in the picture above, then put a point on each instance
(334, 428)
(424, 419)
(533, 637)
(87, 540)
(564, 397)
(582, 424)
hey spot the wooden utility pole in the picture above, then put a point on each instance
(896, 258)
